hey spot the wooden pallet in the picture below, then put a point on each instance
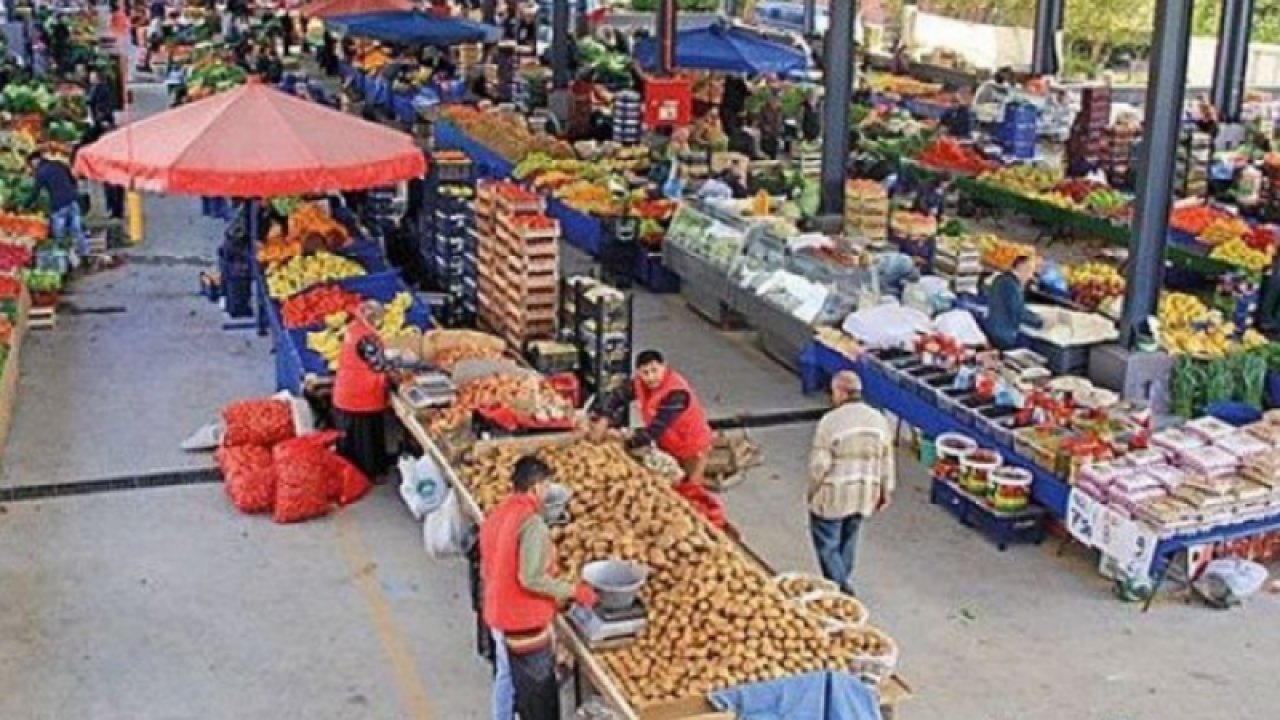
(42, 318)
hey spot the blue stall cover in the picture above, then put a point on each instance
(815, 696)
(727, 49)
(417, 29)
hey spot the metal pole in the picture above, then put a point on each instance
(560, 44)
(665, 33)
(1162, 128)
(1044, 49)
(1231, 62)
(810, 18)
(838, 92)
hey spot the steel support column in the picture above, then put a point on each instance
(1232, 60)
(560, 44)
(665, 34)
(838, 92)
(810, 18)
(1165, 90)
(1044, 51)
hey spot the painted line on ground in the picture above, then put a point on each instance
(408, 678)
(170, 478)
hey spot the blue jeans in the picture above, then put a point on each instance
(67, 220)
(504, 693)
(836, 542)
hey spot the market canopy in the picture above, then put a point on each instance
(251, 142)
(415, 29)
(324, 9)
(727, 49)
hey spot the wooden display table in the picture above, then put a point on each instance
(588, 665)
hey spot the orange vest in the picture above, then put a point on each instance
(358, 388)
(688, 435)
(508, 607)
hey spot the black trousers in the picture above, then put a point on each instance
(363, 441)
(534, 677)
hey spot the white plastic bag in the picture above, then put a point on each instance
(1228, 581)
(444, 530)
(422, 485)
(304, 418)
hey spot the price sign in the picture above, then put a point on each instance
(1082, 517)
(1131, 544)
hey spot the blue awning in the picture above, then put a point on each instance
(415, 29)
(727, 49)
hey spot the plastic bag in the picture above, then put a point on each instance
(1226, 582)
(249, 477)
(422, 485)
(445, 530)
(304, 477)
(263, 422)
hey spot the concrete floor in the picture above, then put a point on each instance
(166, 604)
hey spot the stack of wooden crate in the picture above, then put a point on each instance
(519, 264)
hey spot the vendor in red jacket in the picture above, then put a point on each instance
(521, 595)
(360, 393)
(671, 412)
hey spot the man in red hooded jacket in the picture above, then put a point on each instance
(671, 412)
(521, 596)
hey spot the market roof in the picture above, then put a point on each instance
(416, 29)
(726, 48)
(336, 8)
(252, 141)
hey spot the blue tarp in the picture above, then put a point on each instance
(815, 696)
(416, 29)
(722, 48)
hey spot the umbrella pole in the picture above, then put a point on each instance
(251, 207)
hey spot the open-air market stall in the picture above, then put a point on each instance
(412, 88)
(256, 142)
(655, 674)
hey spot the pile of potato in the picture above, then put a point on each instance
(715, 620)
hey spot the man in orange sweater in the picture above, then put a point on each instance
(521, 596)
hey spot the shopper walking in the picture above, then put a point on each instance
(851, 477)
(54, 178)
(360, 393)
(521, 596)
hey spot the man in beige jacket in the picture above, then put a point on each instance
(851, 477)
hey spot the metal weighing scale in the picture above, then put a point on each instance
(603, 627)
(428, 390)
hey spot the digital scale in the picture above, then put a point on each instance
(428, 390)
(601, 626)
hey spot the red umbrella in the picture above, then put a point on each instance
(252, 142)
(335, 8)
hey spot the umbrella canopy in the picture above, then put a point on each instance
(250, 142)
(416, 29)
(334, 8)
(725, 48)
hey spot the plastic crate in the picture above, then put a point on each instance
(654, 276)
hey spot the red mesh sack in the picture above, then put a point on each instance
(262, 422)
(304, 477)
(353, 483)
(249, 477)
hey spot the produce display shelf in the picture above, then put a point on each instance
(819, 362)
(588, 666)
(12, 368)
(1189, 257)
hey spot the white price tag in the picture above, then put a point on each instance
(1131, 544)
(1082, 517)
